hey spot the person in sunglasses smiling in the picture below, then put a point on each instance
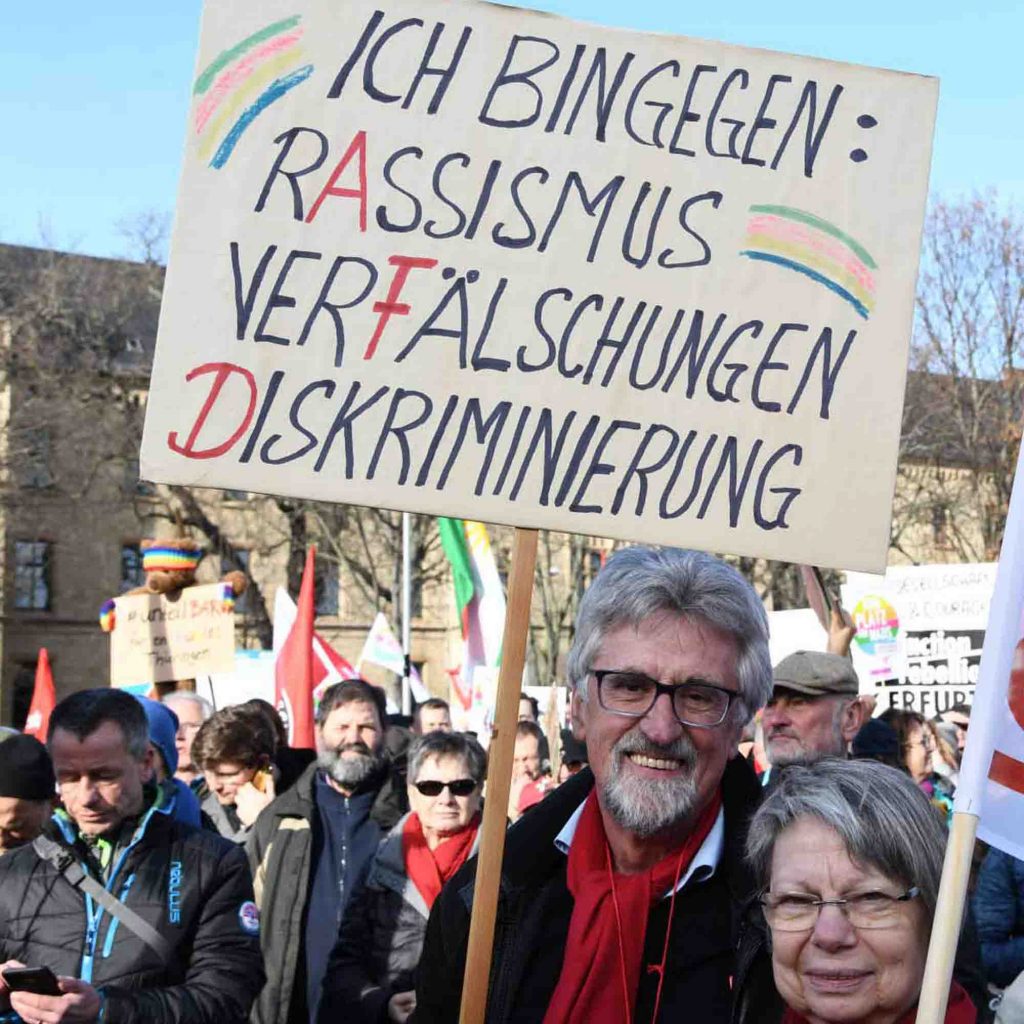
(370, 976)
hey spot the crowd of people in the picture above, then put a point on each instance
(724, 841)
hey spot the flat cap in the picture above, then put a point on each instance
(26, 772)
(816, 674)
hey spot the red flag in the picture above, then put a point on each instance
(44, 699)
(293, 672)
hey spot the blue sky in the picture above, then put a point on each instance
(93, 99)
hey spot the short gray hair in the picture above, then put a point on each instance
(882, 817)
(639, 582)
(188, 697)
(447, 744)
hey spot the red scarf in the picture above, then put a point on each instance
(601, 970)
(960, 1010)
(430, 869)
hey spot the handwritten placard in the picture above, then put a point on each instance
(469, 260)
(160, 638)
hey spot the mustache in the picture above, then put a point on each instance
(635, 742)
(358, 747)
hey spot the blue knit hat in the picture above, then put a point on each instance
(163, 727)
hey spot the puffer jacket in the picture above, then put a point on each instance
(193, 887)
(999, 910)
(380, 941)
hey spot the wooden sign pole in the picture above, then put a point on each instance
(949, 912)
(476, 979)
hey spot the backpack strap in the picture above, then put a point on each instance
(80, 879)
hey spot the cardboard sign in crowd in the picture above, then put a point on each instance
(463, 259)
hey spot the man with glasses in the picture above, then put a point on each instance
(621, 892)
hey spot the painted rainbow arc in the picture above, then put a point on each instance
(241, 82)
(812, 246)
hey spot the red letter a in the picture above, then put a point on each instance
(357, 145)
(223, 371)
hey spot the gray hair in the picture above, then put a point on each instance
(188, 697)
(639, 582)
(882, 817)
(447, 744)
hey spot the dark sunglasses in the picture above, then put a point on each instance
(458, 787)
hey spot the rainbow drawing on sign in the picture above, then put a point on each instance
(878, 630)
(812, 246)
(241, 82)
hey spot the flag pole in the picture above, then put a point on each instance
(406, 613)
(499, 779)
(990, 709)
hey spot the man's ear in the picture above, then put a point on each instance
(576, 713)
(148, 764)
(855, 715)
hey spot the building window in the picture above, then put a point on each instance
(34, 469)
(325, 588)
(132, 575)
(940, 526)
(243, 604)
(594, 559)
(236, 495)
(32, 564)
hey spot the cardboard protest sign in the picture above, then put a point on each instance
(920, 631)
(160, 638)
(470, 259)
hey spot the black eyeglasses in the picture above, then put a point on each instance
(633, 694)
(457, 787)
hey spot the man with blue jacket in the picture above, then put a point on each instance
(141, 917)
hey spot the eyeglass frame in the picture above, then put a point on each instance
(659, 689)
(905, 897)
(445, 785)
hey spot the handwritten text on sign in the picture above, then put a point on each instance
(461, 258)
(159, 639)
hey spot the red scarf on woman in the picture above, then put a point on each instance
(430, 869)
(959, 1010)
(601, 970)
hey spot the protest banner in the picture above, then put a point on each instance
(160, 637)
(472, 260)
(920, 631)
(476, 262)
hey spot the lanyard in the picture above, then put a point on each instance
(659, 968)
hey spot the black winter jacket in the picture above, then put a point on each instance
(535, 907)
(380, 941)
(282, 847)
(192, 886)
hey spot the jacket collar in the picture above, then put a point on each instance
(530, 853)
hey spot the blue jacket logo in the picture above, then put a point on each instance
(174, 893)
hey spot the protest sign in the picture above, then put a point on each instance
(160, 638)
(920, 631)
(472, 260)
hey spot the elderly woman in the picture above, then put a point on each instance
(370, 977)
(849, 855)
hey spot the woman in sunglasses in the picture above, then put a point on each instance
(371, 974)
(849, 855)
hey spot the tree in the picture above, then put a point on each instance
(965, 395)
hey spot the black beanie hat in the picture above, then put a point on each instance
(26, 771)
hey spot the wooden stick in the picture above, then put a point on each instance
(475, 982)
(949, 912)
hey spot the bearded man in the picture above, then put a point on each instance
(311, 848)
(621, 893)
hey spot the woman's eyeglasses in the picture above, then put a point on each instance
(457, 787)
(798, 911)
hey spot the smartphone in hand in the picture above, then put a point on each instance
(40, 981)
